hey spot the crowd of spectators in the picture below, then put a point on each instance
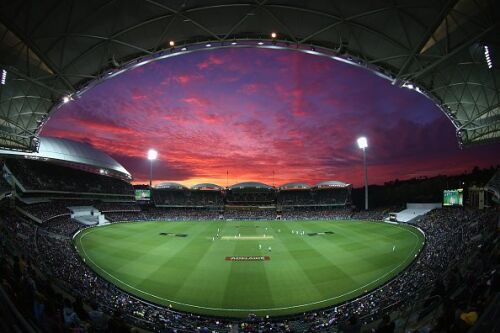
(37, 175)
(46, 210)
(249, 214)
(62, 225)
(116, 206)
(373, 214)
(164, 214)
(316, 213)
(460, 248)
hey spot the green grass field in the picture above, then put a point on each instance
(304, 272)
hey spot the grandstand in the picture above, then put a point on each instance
(437, 273)
(453, 236)
(176, 195)
(251, 194)
(63, 174)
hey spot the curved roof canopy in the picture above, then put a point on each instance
(207, 186)
(250, 185)
(75, 153)
(170, 186)
(54, 50)
(294, 186)
(331, 183)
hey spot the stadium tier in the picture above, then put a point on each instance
(176, 195)
(456, 241)
(175, 238)
(31, 176)
(249, 195)
(330, 193)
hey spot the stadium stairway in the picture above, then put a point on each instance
(87, 215)
(414, 210)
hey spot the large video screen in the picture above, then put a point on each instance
(142, 194)
(453, 197)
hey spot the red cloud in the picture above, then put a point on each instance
(196, 101)
(212, 60)
(298, 115)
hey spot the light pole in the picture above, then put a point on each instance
(152, 155)
(363, 144)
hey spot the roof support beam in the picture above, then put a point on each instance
(455, 51)
(428, 34)
(41, 55)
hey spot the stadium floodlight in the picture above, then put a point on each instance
(487, 56)
(273, 35)
(4, 77)
(67, 99)
(363, 144)
(152, 155)
(171, 43)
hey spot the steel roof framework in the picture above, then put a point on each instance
(55, 48)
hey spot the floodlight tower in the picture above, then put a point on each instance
(363, 144)
(152, 155)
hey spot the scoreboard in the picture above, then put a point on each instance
(453, 197)
(143, 195)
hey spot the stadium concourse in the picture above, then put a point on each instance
(47, 286)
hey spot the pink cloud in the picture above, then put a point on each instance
(261, 111)
(211, 61)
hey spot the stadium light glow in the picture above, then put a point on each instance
(362, 142)
(152, 155)
(67, 99)
(273, 35)
(488, 57)
(4, 77)
(171, 43)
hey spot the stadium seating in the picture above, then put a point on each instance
(187, 198)
(450, 260)
(41, 176)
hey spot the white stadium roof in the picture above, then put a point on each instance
(75, 153)
(331, 183)
(170, 186)
(295, 186)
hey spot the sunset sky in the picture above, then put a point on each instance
(251, 111)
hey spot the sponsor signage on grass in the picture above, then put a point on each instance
(248, 258)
